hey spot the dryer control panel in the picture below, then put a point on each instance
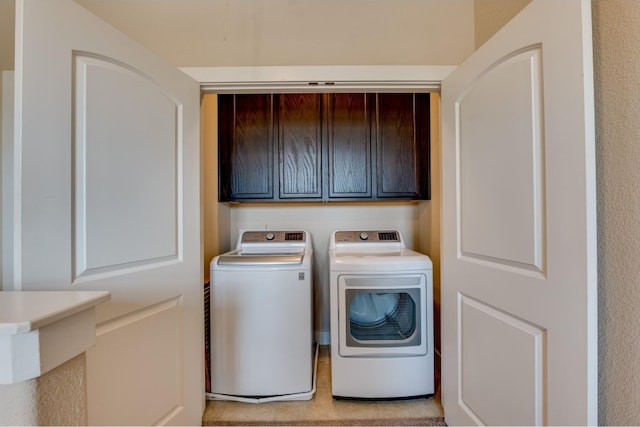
(376, 236)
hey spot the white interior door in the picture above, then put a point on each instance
(519, 343)
(107, 197)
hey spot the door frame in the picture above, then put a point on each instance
(345, 78)
(314, 79)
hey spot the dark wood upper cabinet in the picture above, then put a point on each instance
(340, 146)
(300, 146)
(245, 124)
(349, 145)
(403, 161)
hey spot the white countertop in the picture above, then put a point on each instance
(40, 330)
(25, 311)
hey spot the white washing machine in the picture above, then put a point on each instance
(261, 315)
(381, 297)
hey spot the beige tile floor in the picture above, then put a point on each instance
(321, 408)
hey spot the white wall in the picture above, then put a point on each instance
(491, 15)
(296, 32)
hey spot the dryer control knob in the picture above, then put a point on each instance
(364, 236)
(270, 236)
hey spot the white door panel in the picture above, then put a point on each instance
(107, 197)
(519, 342)
(500, 349)
(503, 226)
(126, 213)
(144, 344)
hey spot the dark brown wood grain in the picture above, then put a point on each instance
(245, 144)
(338, 146)
(400, 145)
(300, 145)
(349, 146)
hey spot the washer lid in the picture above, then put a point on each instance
(252, 258)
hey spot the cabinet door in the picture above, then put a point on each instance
(403, 145)
(246, 147)
(349, 145)
(300, 146)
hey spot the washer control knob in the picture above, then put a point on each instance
(270, 236)
(364, 236)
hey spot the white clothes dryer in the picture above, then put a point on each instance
(381, 303)
(261, 316)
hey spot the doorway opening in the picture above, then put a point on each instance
(420, 220)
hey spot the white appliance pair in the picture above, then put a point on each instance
(381, 297)
(261, 317)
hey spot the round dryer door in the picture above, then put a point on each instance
(382, 317)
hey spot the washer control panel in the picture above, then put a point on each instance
(379, 236)
(269, 236)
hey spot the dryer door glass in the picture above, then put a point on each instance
(383, 317)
